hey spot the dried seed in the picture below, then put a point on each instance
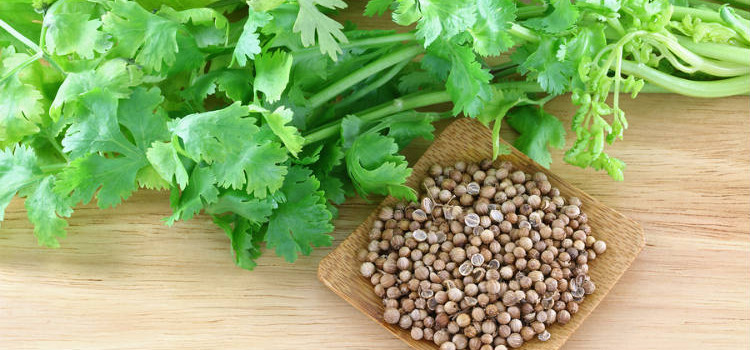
(465, 268)
(544, 336)
(494, 264)
(477, 259)
(473, 188)
(419, 235)
(472, 220)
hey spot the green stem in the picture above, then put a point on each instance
(715, 7)
(361, 43)
(52, 168)
(57, 147)
(374, 85)
(20, 67)
(408, 102)
(726, 53)
(709, 89)
(12, 31)
(525, 12)
(716, 68)
(745, 3)
(735, 22)
(522, 32)
(378, 65)
(679, 12)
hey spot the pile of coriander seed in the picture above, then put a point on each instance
(488, 259)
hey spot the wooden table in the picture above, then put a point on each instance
(123, 280)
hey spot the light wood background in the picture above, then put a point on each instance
(123, 280)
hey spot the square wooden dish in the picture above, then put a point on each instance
(467, 140)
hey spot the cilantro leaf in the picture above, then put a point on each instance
(445, 18)
(490, 30)
(540, 62)
(208, 26)
(165, 161)
(46, 210)
(151, 39)
(20, 104)
(113, 77)
(18, 169)
(302, 221)
(377, 7)
(198, 193)
(278, 121)
(111, 179)
(468, 83)
(255, 210)
(144, 117)
(539, 130)
(230, 142)
(375, 167)
(563, 17)
(70, 29)
(245, 238)
(311, 22)
(272, 74)
(248, 44)
(211, 136)
(257, 166)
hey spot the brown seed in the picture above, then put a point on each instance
(391, 315)
(514, 340)
(471, 220)
(563, 317)
(544, 336)
(600, 247)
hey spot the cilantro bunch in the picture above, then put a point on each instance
(266, 114)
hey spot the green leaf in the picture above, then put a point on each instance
(70, 29)
(539, 130)
(208, 26)
(248, 44)
(165, 161)
(468, 82)
(444, 18)
(490, 30)
(311, 23)
(111, 179)
(406, 126)
(212, 136)
(278, 121)
(562, 18)
(377, 7)
(199, 193)
(272, 74)
(302, 221)
(541, 63)
(20, 104)
(114, 77)
(144, 117)
(46, 210)
(95, 128)
(257, 166)
(255, 210)
(245, 236)
(18, 169)
(374, 165)
(150, 39)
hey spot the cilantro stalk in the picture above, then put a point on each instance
(329, 92)
(710, 89)
(413, 101)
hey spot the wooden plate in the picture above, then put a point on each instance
(467, 140)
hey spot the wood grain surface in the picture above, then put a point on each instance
(123, 280)
(468, 140)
